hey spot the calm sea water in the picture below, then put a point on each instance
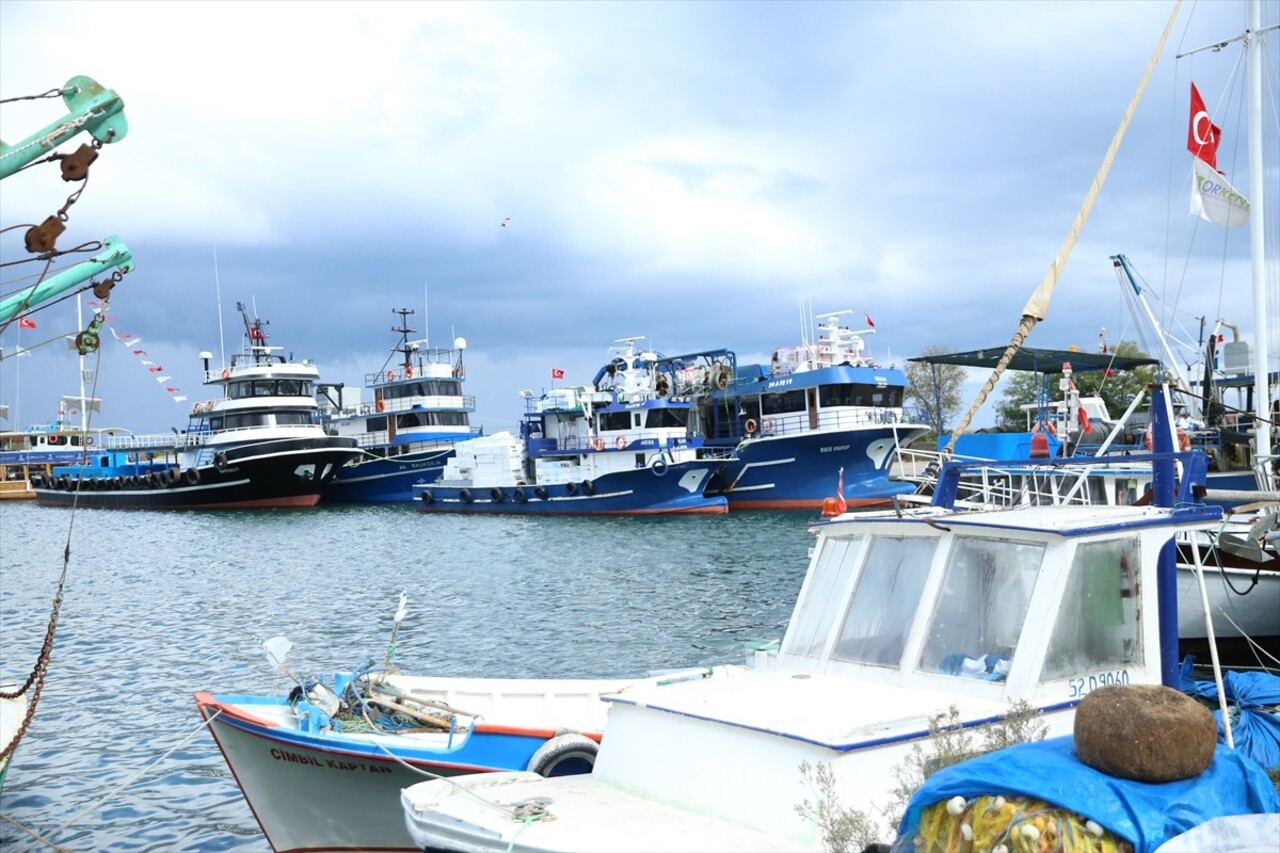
(161, 605)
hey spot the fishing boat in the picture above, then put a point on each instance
(816, 408)
(407, 429)
(35, 452)
(259, 446)
(322, 767)
(621, 449)
(902, 615)
(13, 717)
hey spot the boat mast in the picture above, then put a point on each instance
(1257, 247)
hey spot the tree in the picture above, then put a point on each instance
(1116, 390)
(936, 387)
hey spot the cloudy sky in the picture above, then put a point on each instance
(690, 172)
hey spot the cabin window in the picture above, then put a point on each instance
(981, 608)
(658, 418)
(781, 404)
(427, 388)
(615, 421)
(1099, 621)
(884, 601)
(817, 612)
(853, 394)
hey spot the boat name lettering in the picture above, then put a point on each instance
(839, 448)
(331, 763)
(1082, 686)
(778, 383)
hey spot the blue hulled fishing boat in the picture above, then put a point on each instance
(407, 430)
(793, 424)
(623, 447)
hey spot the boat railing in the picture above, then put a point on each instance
(835, 419)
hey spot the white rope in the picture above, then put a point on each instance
(126, 783)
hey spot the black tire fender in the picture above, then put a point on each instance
(519, 496)
(465, 496)
(541, 492)
(564, 755)
(571, 488)
(426, 497)
(174, 476)
(193, 476)
(588, 488)
(497, 496)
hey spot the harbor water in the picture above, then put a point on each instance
(158, 606)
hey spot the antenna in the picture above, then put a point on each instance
(217, 289)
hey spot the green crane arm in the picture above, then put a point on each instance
(89, 107)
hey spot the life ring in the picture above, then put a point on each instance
(497, 495)
(88, 441)
(767, 426)
(588, 488)
(465, 496)
(193, 476)
(391, 374)
(571, 488)
(564, 755)
(408, 371)
(54, 439)
(750, 425)
(519, 496)
(597, 443)
(226, 374)
(541, 492)
(620, 442)
(380, 406)
(426, 497)
(659, 466)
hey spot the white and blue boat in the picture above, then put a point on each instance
(902, 615)
(407, 430)
(621, 448)
(793, 424)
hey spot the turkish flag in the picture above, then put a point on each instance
(557, 373)
(26, 323)
(1202, 134)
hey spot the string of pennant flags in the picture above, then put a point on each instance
(131, 343)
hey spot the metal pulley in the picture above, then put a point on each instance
(75, 167)
(43, 238)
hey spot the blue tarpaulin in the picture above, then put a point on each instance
(1144, 814)
(1254, 730)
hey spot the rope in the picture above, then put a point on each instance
(37, 836)
(1038, 305)
(127, 782)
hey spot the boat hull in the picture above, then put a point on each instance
(287, 474)
(385, 480)
(678, 489)
(801, 471)
(309, 791)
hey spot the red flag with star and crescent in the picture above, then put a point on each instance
(1202, 134)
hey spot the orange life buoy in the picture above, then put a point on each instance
(380, 405)
(226, 374)
(620, 442)
(408, 371)
(750, 425)
(1044, 426)
(597, 443)
(1184, 440)
(391, 374)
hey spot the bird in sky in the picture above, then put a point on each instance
(505, 220)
